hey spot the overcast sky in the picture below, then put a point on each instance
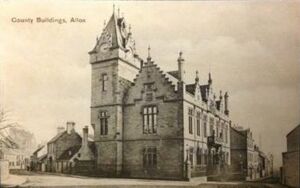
(252, 49)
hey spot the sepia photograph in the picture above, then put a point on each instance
(149, 94)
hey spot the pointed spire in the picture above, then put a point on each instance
(113, 8)
(221, 95)
(197, 76)
(209, 79)
(180, 59)
(149, 56)
(118, 12)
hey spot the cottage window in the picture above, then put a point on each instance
(198, 123)
(150, 119)
(104, 81)
(190, 113)
(103, 123)
(150, 157)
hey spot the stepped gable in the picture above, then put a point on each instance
(164, 84)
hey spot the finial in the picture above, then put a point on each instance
(221, 94)
(197, 76)
(149, 56)
(209, 79)
(113, 8)
(180, 59)
(226, 95)
(118, 12)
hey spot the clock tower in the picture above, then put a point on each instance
(114, 65)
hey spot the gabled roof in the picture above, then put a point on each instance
(39, 149)
(69, 153)
(57, 136)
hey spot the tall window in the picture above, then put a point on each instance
(211, 126)
(103, 123)
(205, 125)
(190, 121)
(150, 119)
(226, 133)
(149, 157)
(104, 82)
(218, 128)
(199, 156)
(198, 123)
(191, 156)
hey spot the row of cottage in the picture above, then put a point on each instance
(152, 124)
(74, 153)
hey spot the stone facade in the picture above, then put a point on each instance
(149, 123)
(291, 159)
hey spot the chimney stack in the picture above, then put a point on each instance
(226, 104)
(181, 70)
(85, 133)
(70, 126)
(60, 130)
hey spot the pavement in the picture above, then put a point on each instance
(59, 180)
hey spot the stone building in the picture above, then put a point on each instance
(291, 159)
(63, 140)
(149, 123)
(244, 154)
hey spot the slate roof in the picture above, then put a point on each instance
(39, 149)
(190, 88)
(175, 74)
(69, 153)
(57, 136)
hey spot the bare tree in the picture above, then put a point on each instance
(5, 121)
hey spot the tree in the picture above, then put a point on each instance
(5, 121)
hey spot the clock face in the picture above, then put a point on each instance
(104, 47)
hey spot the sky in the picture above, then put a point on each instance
(251, 48)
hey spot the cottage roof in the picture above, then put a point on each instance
(57, 136)
(38, 149)
(69, 153)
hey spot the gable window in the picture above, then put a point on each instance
(104, 82)
(149, 157)
(103, 123)
(150, 119)
(149, 86)
(190, 112)
(198, 123)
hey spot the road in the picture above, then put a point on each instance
(56, 180)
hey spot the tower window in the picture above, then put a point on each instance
(150, 119)
(103, 123)
(149, 157)
(104, 82)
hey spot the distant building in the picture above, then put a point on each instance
(149, 123)
(291, 159)
(247, 161)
